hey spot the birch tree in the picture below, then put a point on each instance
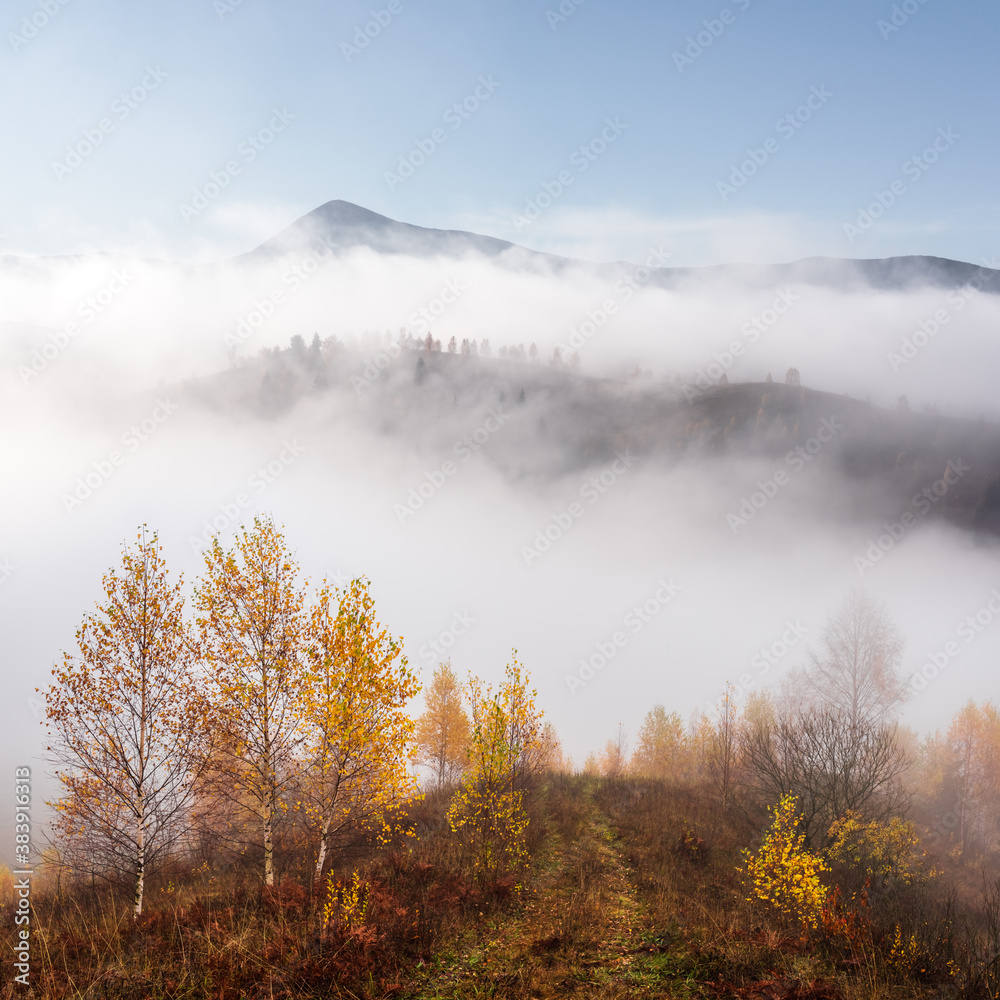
(856, 673)
(126, 723)
(251, 619)
(359, 739)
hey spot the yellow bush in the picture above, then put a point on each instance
(505, 740)
(910, 957)
(887, 852)
(783, 873)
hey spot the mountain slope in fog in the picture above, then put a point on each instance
(537, 423)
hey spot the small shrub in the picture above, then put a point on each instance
(692, 848)
(346, 904)
(783, 873)
(884, 854)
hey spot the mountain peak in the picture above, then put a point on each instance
(343, 225)
(346, 213)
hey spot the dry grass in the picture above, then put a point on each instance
(633, 892)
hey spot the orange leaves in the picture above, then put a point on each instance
(273, 709)
(960, 771)
(661, 745)
(311, 695)
(251, 620)
(442, 732)
(123, 713)
(135, 661)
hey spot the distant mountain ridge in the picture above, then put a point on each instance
(344, 226)
(341, 226)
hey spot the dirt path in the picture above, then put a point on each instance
(575, 936)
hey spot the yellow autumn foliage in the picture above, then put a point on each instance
(346, 902)
(887, 853)
(487, 811)
(783, 872)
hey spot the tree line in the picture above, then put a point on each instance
(256, 712)
(830, 736)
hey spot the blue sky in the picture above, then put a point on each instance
(222, 69)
